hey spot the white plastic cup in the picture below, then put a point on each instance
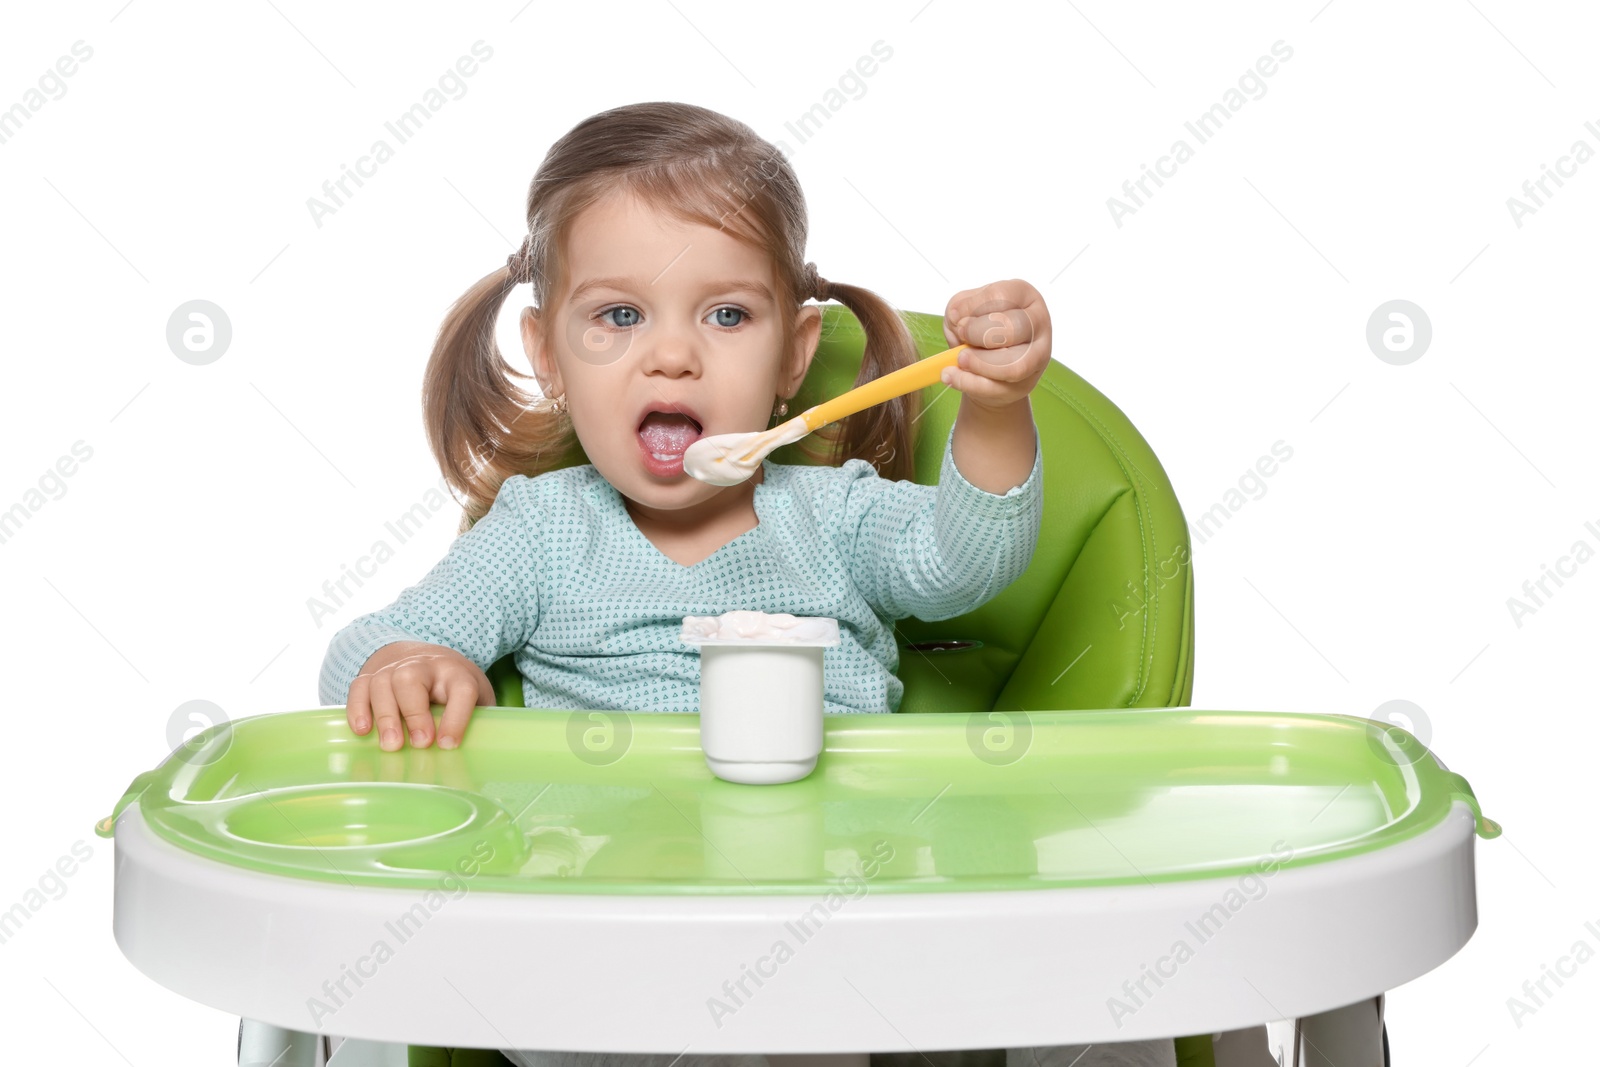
(761, 696)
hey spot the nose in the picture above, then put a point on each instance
(670, 350)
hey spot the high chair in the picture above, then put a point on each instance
(1074, 659)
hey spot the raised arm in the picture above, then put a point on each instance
(936, 552)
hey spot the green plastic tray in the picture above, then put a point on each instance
(544, 801)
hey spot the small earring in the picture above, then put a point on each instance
(782, 409)
(547, 406)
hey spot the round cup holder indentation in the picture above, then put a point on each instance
(347, 816)
(949, 645)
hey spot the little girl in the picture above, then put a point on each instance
(665, 249)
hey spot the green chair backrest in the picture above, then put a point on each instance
(1104, 615)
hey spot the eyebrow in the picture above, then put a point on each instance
(731, 285)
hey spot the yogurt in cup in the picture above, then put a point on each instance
(760, 692)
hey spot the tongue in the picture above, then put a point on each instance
(667, 434)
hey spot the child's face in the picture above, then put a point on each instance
(652, 315)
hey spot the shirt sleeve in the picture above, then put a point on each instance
(936, 552)
(482, 599)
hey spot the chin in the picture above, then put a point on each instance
(677, 490)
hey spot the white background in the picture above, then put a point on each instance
(1227, 314)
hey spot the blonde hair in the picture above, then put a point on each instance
(701, 167)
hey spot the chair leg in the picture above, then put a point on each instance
(1250, 1047)
(354, 1053)
(262, 1044)
(1351, 1036)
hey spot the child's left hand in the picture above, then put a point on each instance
(1008, 328)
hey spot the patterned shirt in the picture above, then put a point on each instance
(558, 575)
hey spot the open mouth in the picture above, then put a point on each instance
(666, 435)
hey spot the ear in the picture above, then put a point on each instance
(539, 356)
(807, 333)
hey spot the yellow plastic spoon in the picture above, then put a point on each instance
(730, 458)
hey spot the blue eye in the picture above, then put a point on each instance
(619, 307)
(722, 312)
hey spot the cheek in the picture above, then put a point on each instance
(585, 343)
(593, 422)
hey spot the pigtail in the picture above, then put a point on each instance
(481, 424)
(885, 435)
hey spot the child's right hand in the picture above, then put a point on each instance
(402, 680)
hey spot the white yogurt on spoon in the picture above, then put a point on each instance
(730, 458)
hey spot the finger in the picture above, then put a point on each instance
(954, 312)
(996, 328)
(458, 704)
(996, 296)
(961, 307)
(1024, 315)
(357, 707)
(385, 712)
(999, 364)
(976, 386)
(411, 692)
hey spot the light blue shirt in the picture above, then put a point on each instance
(557, 574)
